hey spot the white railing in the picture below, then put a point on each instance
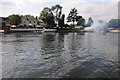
(24, 29)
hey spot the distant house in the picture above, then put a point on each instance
(30, 21)
(4, 21)
(114, 23)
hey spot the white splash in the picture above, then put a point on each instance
(98, 26)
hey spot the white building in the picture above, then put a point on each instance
(28, 20)
(31, 21)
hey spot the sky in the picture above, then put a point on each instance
(97, 9)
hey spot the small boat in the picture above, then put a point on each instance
(79, 30)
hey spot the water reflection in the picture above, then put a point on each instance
(52, 55)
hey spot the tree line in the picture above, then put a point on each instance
(114, 23)
(54, 17)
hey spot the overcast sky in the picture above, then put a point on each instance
(97, 9)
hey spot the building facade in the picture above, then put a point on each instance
(4, 21)
(31, 21)
(28, 20)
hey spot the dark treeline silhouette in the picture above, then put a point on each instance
(114, 23)
(15, 19)
(53, 17)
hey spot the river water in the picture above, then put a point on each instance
(56, 55)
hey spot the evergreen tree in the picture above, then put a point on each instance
(72, 16)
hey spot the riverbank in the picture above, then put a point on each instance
(114, 31)
(1, 31)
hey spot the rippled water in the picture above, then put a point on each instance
(54, 55)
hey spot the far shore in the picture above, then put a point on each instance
(1, 31)
(114, 31)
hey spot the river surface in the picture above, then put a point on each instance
(56, 55)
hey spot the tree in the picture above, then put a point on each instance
(15, 19)
(72, 15)
(114, 23)
(47, 17)
(78, 17)
(61, 21)
(90, 22)
(57, 10)
(81, 22)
